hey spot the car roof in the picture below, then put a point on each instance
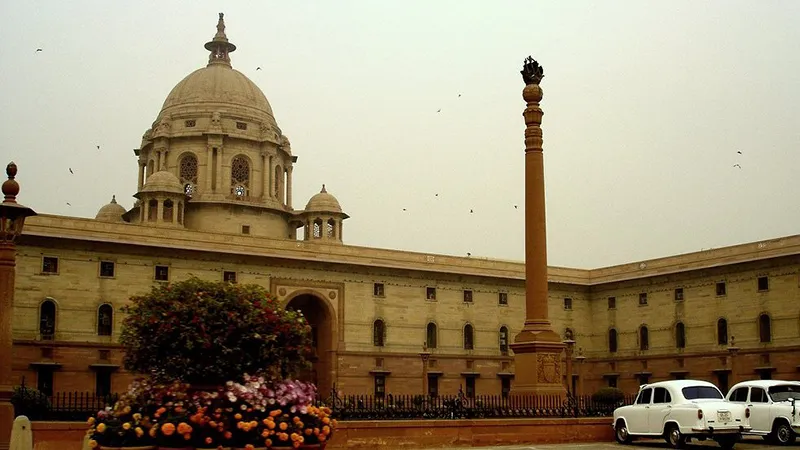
(678, 384)
(764, 383)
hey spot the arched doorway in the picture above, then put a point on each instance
(321, 317)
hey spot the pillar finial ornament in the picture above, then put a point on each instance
(10, 186)
(532, 72)
(219, 46)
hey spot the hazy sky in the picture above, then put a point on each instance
(646, 105)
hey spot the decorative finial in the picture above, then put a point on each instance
(323, 189)
(114, 199)
(10, 186)
(532, 72)
(219, 46)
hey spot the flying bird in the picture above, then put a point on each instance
(469, 254)
(38, 50)
(439, 110)
(69, 204)
(258, 68)
(739, 152)
(470, 211)
(404, 209)
(736, 165)
(437, 195)
(98, 147)
(459, 95)
(70, 171)
(515, 206)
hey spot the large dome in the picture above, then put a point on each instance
(218, 87)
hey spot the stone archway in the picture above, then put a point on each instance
(321, 317)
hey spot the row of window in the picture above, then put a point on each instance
(379, 290)
(721, 289)
(108, 269)
(47, 320)
(191, 123)
(764, 334)
(431, 336)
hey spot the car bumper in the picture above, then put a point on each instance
(712, 431)
(796, 428)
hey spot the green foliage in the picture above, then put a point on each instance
(609, 396)
(29, 402)
(207, 333)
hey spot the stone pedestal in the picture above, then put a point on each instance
(537, 364)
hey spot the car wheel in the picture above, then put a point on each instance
(621, 433)
(782, 434)
(728, 442)
(674, 437)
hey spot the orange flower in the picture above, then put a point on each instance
(299, 424)
(209, 441)
(334, 423)
(326, 429)
(268, 443)
(187, 436)
(249, 447)
(101, 428)
(92, 444)
(90, 421)
(184, 428)
(237, 416)
(265, 433)
(168, 429)
(271, 425)
(309, 431)
(228, 435)
(283, 426)
(153, 432)
(326, 421)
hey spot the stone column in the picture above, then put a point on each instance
(175, 212)
(537, 348)
(160, 211)
(220, 177)
(209, 167)
(289, 187)
(141, 176)
(265, 176)
(7, 265)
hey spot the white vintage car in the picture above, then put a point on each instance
(680, 410)
(773, 407)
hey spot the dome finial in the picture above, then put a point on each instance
(114, 199)
(323, 189)
(219, 47)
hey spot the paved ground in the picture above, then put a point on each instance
(750, 443)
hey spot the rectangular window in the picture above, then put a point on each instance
(678, 294)
(229, 276)
(763, 284)
(102, 382)
(107, 269)
(44, 380)
(380, 386)
(433, 385)
(567, 303)
(162, 273)
(189, 123)
(612, 381)
(502, 298)
(241, 125)
(430, 293)
(612, 302)
(377, 290)
(245, 229)
(50, 264)
(505, 386)
(470, 387)
(721, 289)
(467, 296)
(643, 298)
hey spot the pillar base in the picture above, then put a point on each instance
(537, 361)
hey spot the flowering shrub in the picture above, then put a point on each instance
(123, 428)
(207, 332)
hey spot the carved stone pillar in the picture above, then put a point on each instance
(220, 177)
(289, 187)
(264, 176)
(141, 176)
(160, 210)
(209, 167)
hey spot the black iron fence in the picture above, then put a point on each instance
(78, 406)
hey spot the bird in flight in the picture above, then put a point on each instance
(437, 195)
(439, 110)
(404, 209)
(69, 204)
(459, 95)
(469, 254)
(258, 68)
(38, 50)
(515, 206)
(98, 147)
(739, 152)
(70, 171)
(736, 165)
(470, 211)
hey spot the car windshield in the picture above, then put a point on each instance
(696, 392)
(784, 392)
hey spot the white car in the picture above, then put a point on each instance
(680, 410)
(773, 408)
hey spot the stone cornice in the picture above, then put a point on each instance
(62, 227)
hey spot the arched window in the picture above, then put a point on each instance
(188, 173)
(240, 176)
(469, 337)
(378, 333)
(152, 210)
(612, 340)
(765, 328)
(166, 215)
(680, 335)
(47, 320)
(722, 332)
(504, 340)
(105, 320)
(317, 228)
(644, 338)
(430, 335)
(331, 228)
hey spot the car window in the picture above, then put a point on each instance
(661, 395)
(758, 395)
(644, 397)
(784, 392)
(739, 395)
(698, 392)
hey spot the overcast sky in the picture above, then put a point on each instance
(646, 106)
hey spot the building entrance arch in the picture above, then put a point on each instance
(322, 318)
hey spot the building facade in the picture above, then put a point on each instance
(214, 200)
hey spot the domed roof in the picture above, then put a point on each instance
(163, 181)
(111, 212)
(218, 87)
(323, 202)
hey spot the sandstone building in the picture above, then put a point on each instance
(214, 200)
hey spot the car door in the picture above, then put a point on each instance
(659, 410)
(759, 410)
(637, 422)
